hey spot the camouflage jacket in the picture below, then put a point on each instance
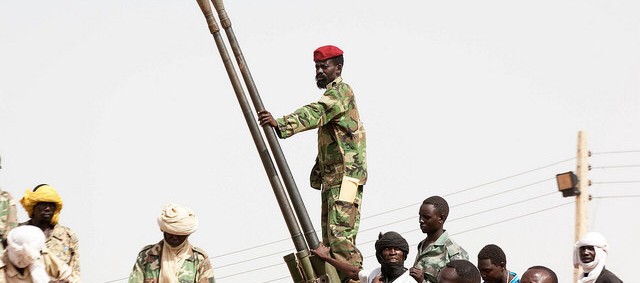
(63, 243)
(55, 268)
(432, 258)
(8, 215)
(195, 269)
(341, 135)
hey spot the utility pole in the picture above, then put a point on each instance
(582, 199)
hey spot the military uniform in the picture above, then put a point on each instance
(55, 268)
(195, 269)
(341, 167)
(8, 215)
(432, 258)
(63, 243)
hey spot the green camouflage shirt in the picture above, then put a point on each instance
(341, 135)
(432, 258)
(195, 269)
(63, 243)
(8, 215)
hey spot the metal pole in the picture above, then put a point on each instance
(582, 199)
(272, 139)
(272, 174)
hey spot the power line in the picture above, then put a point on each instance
(482, 198)
(478, 186)
(615, 166)
(272, 280)
(252, 270)
(499, 193)
(413, 204)
(250, 248)
(616, 152)
(627, 196)
(473, 214)
(500, 207)
(513, 218)
(617, 182)
(512, 176)
(252, 259)
(406, 219)
(116, 280)
(493, 223)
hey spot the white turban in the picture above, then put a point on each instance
(25, 244)
(177, 220)
(600, 246)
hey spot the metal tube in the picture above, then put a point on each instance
(272, 139)
(272, 174)
(294, 269)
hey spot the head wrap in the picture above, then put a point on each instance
(326, 52)
(25, 244)
(391, 240)
(177, 220)
(391, 270)
(43, 193)
(600, 246)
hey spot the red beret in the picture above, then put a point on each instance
(326, 52)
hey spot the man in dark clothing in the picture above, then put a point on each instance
(590, 253)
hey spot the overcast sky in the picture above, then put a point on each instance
(124, 106)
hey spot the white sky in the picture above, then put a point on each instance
(125, 105)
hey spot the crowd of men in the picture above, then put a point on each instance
(441, 260)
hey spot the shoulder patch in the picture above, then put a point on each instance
(146, 248)
(200, 251)
(452, 248)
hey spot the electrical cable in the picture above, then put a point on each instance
(615, 152)
(615, 182)
(414, 204)
(627, 196)
(406, 219)
(615, 166)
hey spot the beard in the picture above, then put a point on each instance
(322, 82)
(392, 270)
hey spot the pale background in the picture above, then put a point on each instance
(125, 105)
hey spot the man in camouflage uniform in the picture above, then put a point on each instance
(437, 249)
(173, 259)
(8, 215)
(43, 205)
(340, 170)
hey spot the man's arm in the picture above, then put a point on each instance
(345, 267)
(137, 276)
(307, 117)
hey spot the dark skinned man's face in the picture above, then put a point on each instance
(392, 255)
(430, 220)
(587, 254)
(491, 273)
(43, 211)
(174, 240)
(326, 72)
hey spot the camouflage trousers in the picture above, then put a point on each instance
(340, 222)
